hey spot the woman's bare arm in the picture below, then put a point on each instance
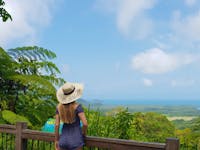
(57, 125)
(84, 121)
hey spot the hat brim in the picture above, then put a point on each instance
(66, 99)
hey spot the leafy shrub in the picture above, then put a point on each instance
(11, 118)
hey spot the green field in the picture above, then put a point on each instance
(170, 111)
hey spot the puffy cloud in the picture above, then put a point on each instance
(130, 15)
(147, 82)
(28, 18)
(157, 61)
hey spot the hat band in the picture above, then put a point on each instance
(69, 92)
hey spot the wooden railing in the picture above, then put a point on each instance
(22, 134)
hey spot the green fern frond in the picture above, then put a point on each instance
(33, 60)
(47, 66)
(54, 80)
(34, 82)
(32, 53)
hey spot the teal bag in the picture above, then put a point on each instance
(49, 126)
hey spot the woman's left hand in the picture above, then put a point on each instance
(56, 145)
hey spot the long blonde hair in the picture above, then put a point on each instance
(67, 112)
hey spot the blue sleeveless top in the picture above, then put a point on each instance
(71, 136)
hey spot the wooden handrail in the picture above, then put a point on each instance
(119, 144)
(23, 134)
(38, 135)
(4, 128)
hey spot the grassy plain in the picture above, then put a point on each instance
(173, 112)
(185, 118)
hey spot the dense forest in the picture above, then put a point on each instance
(28, 81)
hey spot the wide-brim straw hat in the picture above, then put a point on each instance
(69, 92)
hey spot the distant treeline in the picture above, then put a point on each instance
(169, 110)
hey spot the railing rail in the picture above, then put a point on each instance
(22, 134)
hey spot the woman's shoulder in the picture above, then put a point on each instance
(79, 108)
(77, 105)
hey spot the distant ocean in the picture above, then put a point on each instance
(151, 102)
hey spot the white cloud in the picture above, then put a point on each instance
(190, 2)
(187, 27)
(147, 82)
(28, 18)
(157, 61)
(182, 83)
(131, 18)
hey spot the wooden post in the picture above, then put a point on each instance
(20, 144)
(172, 144)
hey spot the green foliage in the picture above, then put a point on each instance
(34, 60)
(32, 53)
(34, 82)
(3, 104)
(99, 125)
(6, 64)
(152, 126)
(122, 125)
(94, 120)
(188, 140)
(195, 125)
(148, 126)
(12, 118)
(190, 135)
(28, 79)
(2, 121)
(180, 123)
(38, 111)
(3, 13)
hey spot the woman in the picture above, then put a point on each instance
(70, 113)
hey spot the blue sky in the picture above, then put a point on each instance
(119, 49)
